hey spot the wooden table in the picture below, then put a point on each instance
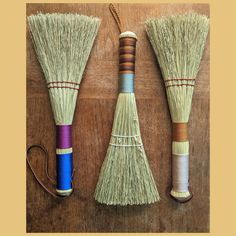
(92, 128)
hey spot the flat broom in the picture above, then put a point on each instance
(125, 177)
(63, 43)
(178, 42)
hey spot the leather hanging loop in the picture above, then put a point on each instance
(51, 180)
(116, 17)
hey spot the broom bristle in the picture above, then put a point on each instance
(125, 177)
(63, 43)
(178, 42)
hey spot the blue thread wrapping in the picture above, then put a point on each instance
(126, 83)
(64, 171)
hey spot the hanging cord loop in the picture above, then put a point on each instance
(116, 17)
(51, 180)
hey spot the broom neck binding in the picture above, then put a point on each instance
(180, 132)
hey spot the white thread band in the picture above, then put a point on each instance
(64, 192)
(128, 34)
(126, 145)
(124, 136)
(63, 151)
(180, 172)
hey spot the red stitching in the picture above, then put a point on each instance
(63, 87)
(171, 85)
(60, 82)
(179, 80)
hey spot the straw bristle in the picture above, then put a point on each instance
(125, 177)
(178, 42)
(63, 43)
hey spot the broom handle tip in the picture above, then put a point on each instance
(180, 163)
(181, 199)
(128, 34)
(180, 178)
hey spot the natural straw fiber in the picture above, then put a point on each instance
(63, 43)
(178, 42)
(125, 177)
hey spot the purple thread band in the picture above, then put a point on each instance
(64, 136)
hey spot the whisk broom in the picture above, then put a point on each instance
(125, 177)
(178, 42)
(63, 43)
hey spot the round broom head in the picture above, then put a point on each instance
(125, 177)
(63, 43)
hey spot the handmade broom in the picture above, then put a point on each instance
(125, 176)
(178, 42)
(63, 43)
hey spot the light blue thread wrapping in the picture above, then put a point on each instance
(126, 83)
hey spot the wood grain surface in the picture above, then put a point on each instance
(92, 128)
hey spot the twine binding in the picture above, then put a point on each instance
(125, 177)
(178, 42)
(126, 145)
(60, 84)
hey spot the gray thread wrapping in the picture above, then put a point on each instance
(180, 173)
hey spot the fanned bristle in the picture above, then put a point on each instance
(125, 177)
(63, 43)
(179, 42)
